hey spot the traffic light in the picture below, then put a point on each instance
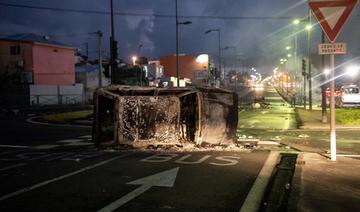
(303, 64)
(115, 49)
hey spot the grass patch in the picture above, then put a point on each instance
(68, 116)
(348, 117)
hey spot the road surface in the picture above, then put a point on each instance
(49, 168)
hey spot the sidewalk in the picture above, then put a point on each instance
(320, 184)
(313, 120)
(323, 185)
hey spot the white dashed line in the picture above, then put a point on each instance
(30, 188)
(46, 146)
(12, 166)
(15, 146)
(70, 140)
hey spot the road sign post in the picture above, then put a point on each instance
(332, 15)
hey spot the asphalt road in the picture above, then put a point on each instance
(50, 168)
(279, 116)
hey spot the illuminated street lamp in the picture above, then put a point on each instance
(326, 72)
(219, 35)
(296, 21)
(134, 59)
(308, 27)
(352, 71)
(177, 41)
(289, 55)
(288, 47)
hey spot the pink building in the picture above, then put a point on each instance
(38, 60)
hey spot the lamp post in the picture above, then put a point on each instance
(177, 41)
(139, 48)
(309, 27)
(219, 33)
(224, 62)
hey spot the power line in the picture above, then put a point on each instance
(74, 35)
(147, 14)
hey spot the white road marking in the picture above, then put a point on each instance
(46, 146)
(86, 137)
(181, 160)
(70, 141)
(13, 166)
(253, 200)
(79, 144)
(162, 179)
(15, 146)
(157, 158)
(232, 160)
(30, 188)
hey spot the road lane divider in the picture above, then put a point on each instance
(33, 187)
(254, 198)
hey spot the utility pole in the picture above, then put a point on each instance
(87, 49)
(323, 86)
(113, 46)
(100, 34)
(309, 62)
(177, 45)
(304, 74)
(220, 67)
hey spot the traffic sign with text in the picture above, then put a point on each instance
(331, 48)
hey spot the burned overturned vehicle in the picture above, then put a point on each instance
(144, 116)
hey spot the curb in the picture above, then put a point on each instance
(254, 198)
(32, 120)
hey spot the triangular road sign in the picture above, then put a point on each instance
(332, 15)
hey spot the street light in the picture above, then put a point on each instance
(229, 59)
(177, 41)
(134, 59)
(326, 72)
(309, 28)
(219, 33)
(296, 21)
(352, 71)
(139, 48)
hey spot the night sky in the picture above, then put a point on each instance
(260, 29)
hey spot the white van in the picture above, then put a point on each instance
(349, 96)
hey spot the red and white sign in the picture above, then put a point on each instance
(332, 15)
(332, 48)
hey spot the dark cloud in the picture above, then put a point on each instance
(258, 41)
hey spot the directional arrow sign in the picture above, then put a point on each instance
(162, 179)
(332, 15)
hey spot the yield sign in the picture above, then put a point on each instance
(332, 15)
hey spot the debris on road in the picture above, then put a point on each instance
(303, 136)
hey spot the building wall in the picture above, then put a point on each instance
(187, 67)
(53, 65)
(56, 94)
(9, 63)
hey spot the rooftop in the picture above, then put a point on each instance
(33, 38)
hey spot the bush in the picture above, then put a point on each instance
(348, 117)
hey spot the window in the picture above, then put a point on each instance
(14, 50)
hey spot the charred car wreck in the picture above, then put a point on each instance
(143, 116)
